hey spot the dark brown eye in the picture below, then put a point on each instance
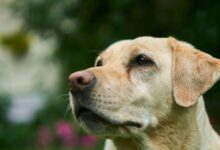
(142, 60)
(99, 63)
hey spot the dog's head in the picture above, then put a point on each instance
(136, 83)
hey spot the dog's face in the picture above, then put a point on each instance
(129, 90)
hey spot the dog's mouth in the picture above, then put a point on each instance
(87, 116)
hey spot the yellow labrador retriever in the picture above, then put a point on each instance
(146, 94)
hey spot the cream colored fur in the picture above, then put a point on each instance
(209, 139)
(165, 98)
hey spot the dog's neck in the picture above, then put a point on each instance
(209, 138)
(180, 132)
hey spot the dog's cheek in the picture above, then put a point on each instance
(143, 74)
(154, 122)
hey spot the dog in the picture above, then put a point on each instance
(146, 94)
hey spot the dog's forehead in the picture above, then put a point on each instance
(124, 48)
(116, 49)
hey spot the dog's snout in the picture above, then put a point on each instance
(81, 80)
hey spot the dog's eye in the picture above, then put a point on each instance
(99, 63)
(142, 60)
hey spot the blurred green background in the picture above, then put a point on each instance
(43, 41)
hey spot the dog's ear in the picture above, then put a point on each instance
(193, 72)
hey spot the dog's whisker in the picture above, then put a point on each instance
(60, 97)
(63, 95)
(68, 108)
(95, 51)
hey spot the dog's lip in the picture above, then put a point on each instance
(80, 110)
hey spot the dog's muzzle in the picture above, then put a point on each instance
(81, 85)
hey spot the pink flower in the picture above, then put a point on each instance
(44, 136)
(66, 133)
(88, 141)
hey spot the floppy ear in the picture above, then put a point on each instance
(193, 72)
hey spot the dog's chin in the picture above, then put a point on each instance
(92, 122)
(99, 125)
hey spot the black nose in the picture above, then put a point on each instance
(81, 80)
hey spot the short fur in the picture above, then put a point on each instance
(165, 98)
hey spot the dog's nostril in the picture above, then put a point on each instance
(80, 80)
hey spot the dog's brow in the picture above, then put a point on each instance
(134, 52)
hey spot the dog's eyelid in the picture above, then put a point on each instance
(141, 60)
(98, 62)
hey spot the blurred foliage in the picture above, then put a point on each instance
(17, 43)
(4, 103)
(85, 27)
(31, 136)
